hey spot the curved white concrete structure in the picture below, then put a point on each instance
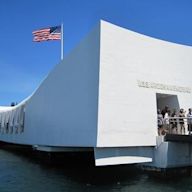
(105, 94)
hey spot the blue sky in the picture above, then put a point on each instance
(24, 64)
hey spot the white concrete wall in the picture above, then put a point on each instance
(63, 111)
(127, 112)
(92, 98)
(122, 155)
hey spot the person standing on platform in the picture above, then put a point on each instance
(166, 121)
(181, 120)
(165, 110)
(174, 121)
(159, 122)
(189, 121)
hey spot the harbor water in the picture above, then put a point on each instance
(20, 172)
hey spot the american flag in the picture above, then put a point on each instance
(47, 34)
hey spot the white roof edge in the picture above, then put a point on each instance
(9, 108)
(144, 35)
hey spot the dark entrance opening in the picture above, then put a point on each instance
(167, 100)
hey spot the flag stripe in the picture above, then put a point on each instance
(41, 31)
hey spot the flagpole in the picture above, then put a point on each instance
(62, 41)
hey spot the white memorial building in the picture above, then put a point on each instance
(104, 97)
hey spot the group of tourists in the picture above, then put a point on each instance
(174, 121)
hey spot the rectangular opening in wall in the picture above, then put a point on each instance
(167, 100)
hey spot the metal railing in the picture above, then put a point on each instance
(175, 125)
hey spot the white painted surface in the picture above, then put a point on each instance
(127, 112)
(122, 155)
(119, 160)
(63, 111)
